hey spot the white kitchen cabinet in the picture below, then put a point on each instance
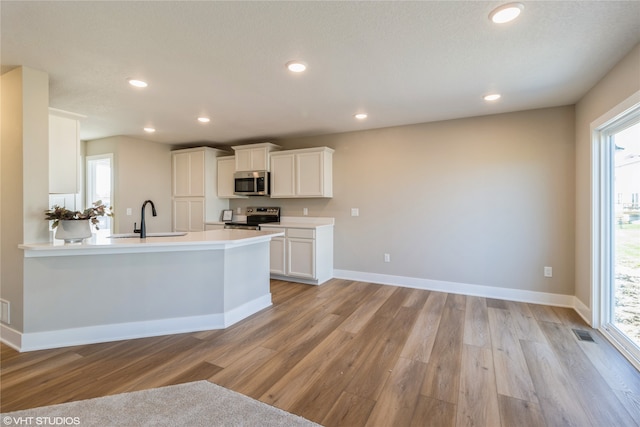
(283, 175)
(253, 157)
(277, 254)
(64, 152)
(188, 214)
(304, 254)
(189, 173)
(226, 169)
(195, 188)
(302, 173)
(301, 253)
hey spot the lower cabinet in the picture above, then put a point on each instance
(188, 214)
(303, 255)
(278, 253)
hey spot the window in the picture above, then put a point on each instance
(100, 185)
(616, 227)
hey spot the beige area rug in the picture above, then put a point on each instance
(195, 404)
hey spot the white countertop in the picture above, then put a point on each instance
(300, 222)
(100, 243)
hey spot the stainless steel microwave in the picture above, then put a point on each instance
(251, 183)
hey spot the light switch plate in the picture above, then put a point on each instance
(355, 212)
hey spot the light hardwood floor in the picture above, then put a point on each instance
(359, 354)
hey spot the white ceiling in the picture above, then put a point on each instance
(401, 62)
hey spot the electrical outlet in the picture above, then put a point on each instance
(238, 211)
(548, 272)
(355, 212)
(128, 211)
(387, 257)
(305, 211)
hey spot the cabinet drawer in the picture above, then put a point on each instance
(302, 233)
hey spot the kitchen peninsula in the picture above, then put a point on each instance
(108, 289)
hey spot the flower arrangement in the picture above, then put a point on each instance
(57, 214)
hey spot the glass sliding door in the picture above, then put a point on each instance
(625, 310)
(617, 231)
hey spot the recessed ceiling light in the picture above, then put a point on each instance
(204, 119)
(149, 130)
(360, 116)
(296, 66)
(137, 83)
(506, 13)
(492, 97)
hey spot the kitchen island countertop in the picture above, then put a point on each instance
(101, 244)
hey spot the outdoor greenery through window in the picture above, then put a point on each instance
(627, 232)
(99, 184)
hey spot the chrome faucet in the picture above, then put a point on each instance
(143, 226)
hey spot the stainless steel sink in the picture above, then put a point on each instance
(166, 234)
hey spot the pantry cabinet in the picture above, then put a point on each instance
(302, 173)
(195, 188)
(304, 254)
(64, 152)
(188, 214)
(253, 157)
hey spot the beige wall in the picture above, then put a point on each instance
(482, 201)
(142, 172)
(25, 177)
(620, 83)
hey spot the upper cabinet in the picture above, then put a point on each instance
(64, 152)
(253, 157)
(302, 173)
(226, 169)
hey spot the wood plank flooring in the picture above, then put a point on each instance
(360, 354)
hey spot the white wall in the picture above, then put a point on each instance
(619, 83)
(481, 201)
(25, 177)
(142, 171)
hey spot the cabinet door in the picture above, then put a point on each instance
(309, 174)
(226, 168)
(197, 174)
(188, 174)
(243, 160)
(181, 175)
(283, 175)
(301, 258)
(188, 214)
(181, 215)
(196, 215)
(277, 255)
(64, 146)
(259, 159)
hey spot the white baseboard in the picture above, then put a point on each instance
(123, 331)
(510, 294)
(584, 311)
(245, 310)
(10, 337)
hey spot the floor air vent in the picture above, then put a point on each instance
(583, 335)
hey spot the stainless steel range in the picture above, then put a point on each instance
(255, 217)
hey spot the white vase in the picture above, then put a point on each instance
(74, 230)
